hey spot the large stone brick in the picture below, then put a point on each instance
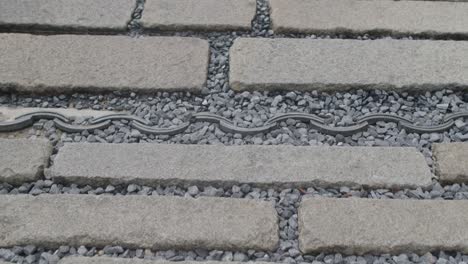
(108, 260)
(137, 221)
(343, 64)
(358, 226)
(23, 160)
(451, 162)
(153, 164)
(359, 16)
(65, 15)
(208, 15)
(67, 63)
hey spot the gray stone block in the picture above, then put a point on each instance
(23, 160)
(108, 260)
(360, 226)
(208, 15)
(451, 162)
(67, 63)
(359, 16)
(336, 64)
(63, 15)
(153, 164)
(160, 223)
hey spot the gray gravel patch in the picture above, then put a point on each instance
(253, 109)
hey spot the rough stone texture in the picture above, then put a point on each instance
(66, 15)
(23, 160)
(161, 222)
(415, 17)
(151, 164)
(451, 162)
(359, 226)
(212, 15)
(335, 64)
(108, 260)
(10, 113)
(67, 63)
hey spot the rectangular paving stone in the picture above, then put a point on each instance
(208, 15)
(67, 63)
(153, 164)
(359, 16)
(63, 15)
(23, 160)
(155, 222)
(451, 162)
(336, 64)
(360, 226)
(109, 260)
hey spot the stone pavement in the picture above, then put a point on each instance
(213, 15)
(359, 226)
(451, 161)
(153, 164)
(137, 222)
(306, 64)
(357, 16)
(23, 160)
(366, 225)
(245, 73)
(63, 15)
(67, 63)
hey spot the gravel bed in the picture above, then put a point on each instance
(33, 254)
(252, 109)
(287, 201)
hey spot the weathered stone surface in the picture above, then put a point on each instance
(23, 160)
(415, 17)
(152, 164)
(10, 113)
(335, 64)
(67, 63)
(359, 226)
(66, 15)
(161, 222)
(212, 15)
(108, 260)
(451, 161)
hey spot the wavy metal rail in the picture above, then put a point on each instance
(322, 125)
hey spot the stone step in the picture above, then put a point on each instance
(109, 260)
(68, 63)
(451, 162)
(155, 222)
(360, 226)
(23, 160)
(358, 16)
(335, 64)
(64, 15)
(284, 166)
(208, 15)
